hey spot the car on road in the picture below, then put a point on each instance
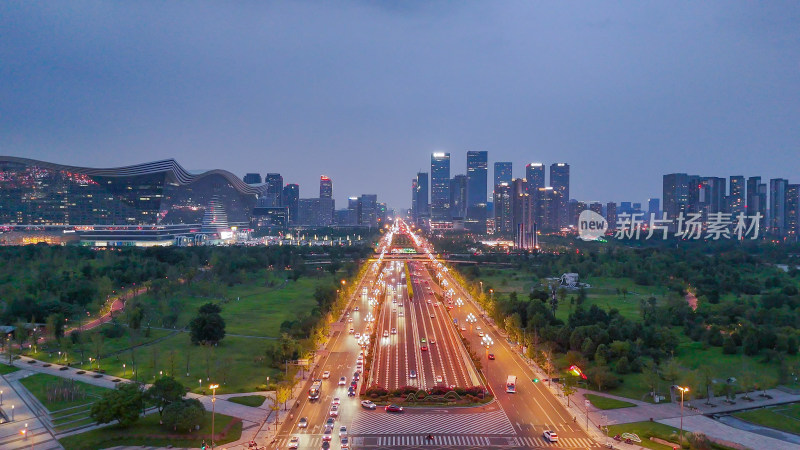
(325, 445)
(342, 381)
(326, 374)
(294, 442)
(352, 330)
(351, 391)
(350, 320)
(550, 436)
(439, 378)
(368, 404)
(355, 309)
(412, 374)
(393, 408)
(342, 431)
(423, 340)
(433, 340)
(480, 333)
(478, 328)
(463, 328)
(356, 375)
(429, 301)
(400, 314)
(491, 356)
(329, 423)
(336, 401)
(432, 316)
(385, 333)
(345, 443)
(328, 435)
(358, 335)
(303, 423)
(400, 305)
(394, 330)
(424, 348)
(436, 304)
(354, 384)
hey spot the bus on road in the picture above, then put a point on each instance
(511, 384)
(316, 387)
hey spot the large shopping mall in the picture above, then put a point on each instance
(157, 203)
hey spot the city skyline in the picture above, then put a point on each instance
(614, 90)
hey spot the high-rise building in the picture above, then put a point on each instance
(736, 195)
(793, 212)
(575, 209)
(503, 209)
(680, 195)
(777, 206)
(611, 215)
(756, 202)
(421, 213)
(273, 190)
(252, 178)
(315, 212)
(534, 174)
(440, 186)
(522, 213)
(711, 195)
(653, 207)
(325, 187)
(458, 197)
(596, 207)
(290, 198)
(477, 168)
(546, 208)
(559, 180)
(413, 210)
(368, 210)
(502, 173)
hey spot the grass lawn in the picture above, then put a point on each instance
(782, 417)
(37, 385)
(601, 402)
(6, 369)
(645, 430)
(136, 435)
(249, 400)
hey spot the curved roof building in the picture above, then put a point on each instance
(39, 193)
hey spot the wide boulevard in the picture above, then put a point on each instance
(418, 343)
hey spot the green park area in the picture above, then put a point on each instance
(249, 400)
(6, 369)
(148, 432)
(67, 401)
(782, 417)
(601, 402)
(646, 430)
(635, 333)
(253, 311)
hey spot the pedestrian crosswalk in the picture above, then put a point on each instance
(484, 423)
(538, 442)
(444, 441)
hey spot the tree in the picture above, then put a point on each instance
(569, 386)
(729, 346)
(283, 394)
(650, 372)
(97, 346)
(164, 391)
(208, 328)
(602, 377)
(670, 370)
(123, 404)
(707, 382)
(183, 415)
(746, 380)
(275, 405)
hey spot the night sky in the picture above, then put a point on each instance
(365, 91)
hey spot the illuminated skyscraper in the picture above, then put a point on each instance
(477, 163)
(440, 186)
(559, 180)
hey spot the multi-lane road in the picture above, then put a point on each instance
(382, 304)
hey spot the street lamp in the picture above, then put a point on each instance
(213, 410)
(124, 370)
(12, 413)
(683, 391)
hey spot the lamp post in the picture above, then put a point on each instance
(1, 396)
(12, 413)
(213, 410)
(683, 390)
(124, 370)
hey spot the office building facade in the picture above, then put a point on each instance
(440, 186)
(559, 180)
(477, 168)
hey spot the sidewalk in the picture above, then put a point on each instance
(24, 412)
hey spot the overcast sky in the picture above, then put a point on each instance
(365, 91)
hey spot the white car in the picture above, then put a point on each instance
(550, 436)
(357, 335)
(480, 333)
(439, 378)
(400, 314)
(433, 340)
(334, 412)
(368, 404)
(350, 320)
(394, 330)
(385, 333)
(352, 330)
(294, 442)
(478, 328)
(342, 431)
(342, 381)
